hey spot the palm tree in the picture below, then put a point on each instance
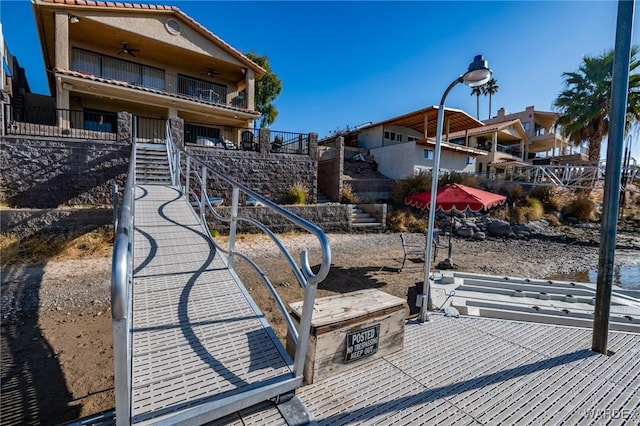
(585, 102)
(490, 88)
(477, 91)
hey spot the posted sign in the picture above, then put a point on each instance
(362, 343)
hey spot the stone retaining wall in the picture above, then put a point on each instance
(47, 173)
(32, 221)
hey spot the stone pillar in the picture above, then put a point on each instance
(125, 127)
(176, 126)
(3, 125)
(264, 138)
(313, 146)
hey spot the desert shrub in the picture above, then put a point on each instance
(549, 196)
(405, 221)
(581, 208)
(552, 219)
(409, 186)
(519, 214)
(461, 178)
(297, 193)
(214, 232)
(470, 180)
(515, 191)
(535, 211)
(347, 196)
(500, 213)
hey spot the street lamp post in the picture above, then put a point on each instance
(477, 75)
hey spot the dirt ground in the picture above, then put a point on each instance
(56, 337)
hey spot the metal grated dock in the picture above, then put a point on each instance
(485, 371)
(197, 335)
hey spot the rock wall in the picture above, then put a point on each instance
(47, 173)
(330, 218)
(29, 221)
(271, 175)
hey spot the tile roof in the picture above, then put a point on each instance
(124, 84)
(151, 7)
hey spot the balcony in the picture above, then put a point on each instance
(135, 74)
(511, 150)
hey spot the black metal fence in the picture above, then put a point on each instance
(151, 130)
(224, 137)
(289, 143)
(56, 122)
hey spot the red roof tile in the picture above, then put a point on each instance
(92, 77)
(118, 5)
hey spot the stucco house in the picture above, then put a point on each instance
(546, 141)
(123, 72)
(404, 146)
(504, 142)
(152, 61)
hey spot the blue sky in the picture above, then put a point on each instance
(347, 63)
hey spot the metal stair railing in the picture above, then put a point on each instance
(185, 167)
(121, 301)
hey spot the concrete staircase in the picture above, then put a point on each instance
(362, 219)
(152, 164)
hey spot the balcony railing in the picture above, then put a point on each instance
(55, 122)
(289, 143)
(511, 150)
(136, 74)
(246, 139)
(224, 137)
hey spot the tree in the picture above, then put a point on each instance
(268, 87)
(477, 91)
(585, 102)
(490, 88)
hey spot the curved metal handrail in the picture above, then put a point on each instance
(121, 282)
(122, 258)
(188, 166)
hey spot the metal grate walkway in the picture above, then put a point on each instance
(198, 338)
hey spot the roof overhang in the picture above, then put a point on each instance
(116, 90)
(453, 147)
(454, 120)
(100, 24)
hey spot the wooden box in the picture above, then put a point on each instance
(350, 329)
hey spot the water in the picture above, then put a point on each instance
(627, 276)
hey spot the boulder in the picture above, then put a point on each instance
(499, 228)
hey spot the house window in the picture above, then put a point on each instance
(526, 125)
(428, 154)
(469, 160)
(412, 138)
(393, 136)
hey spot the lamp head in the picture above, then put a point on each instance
(478, 73)
(74, 19)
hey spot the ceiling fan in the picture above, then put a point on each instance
(127, 50)
(210, 72)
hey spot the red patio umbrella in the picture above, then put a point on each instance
(457, 197)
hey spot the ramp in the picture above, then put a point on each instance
(201, 349)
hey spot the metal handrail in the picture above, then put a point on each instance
(121, 282)
(200, 171)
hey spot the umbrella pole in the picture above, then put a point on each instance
(450, 233)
